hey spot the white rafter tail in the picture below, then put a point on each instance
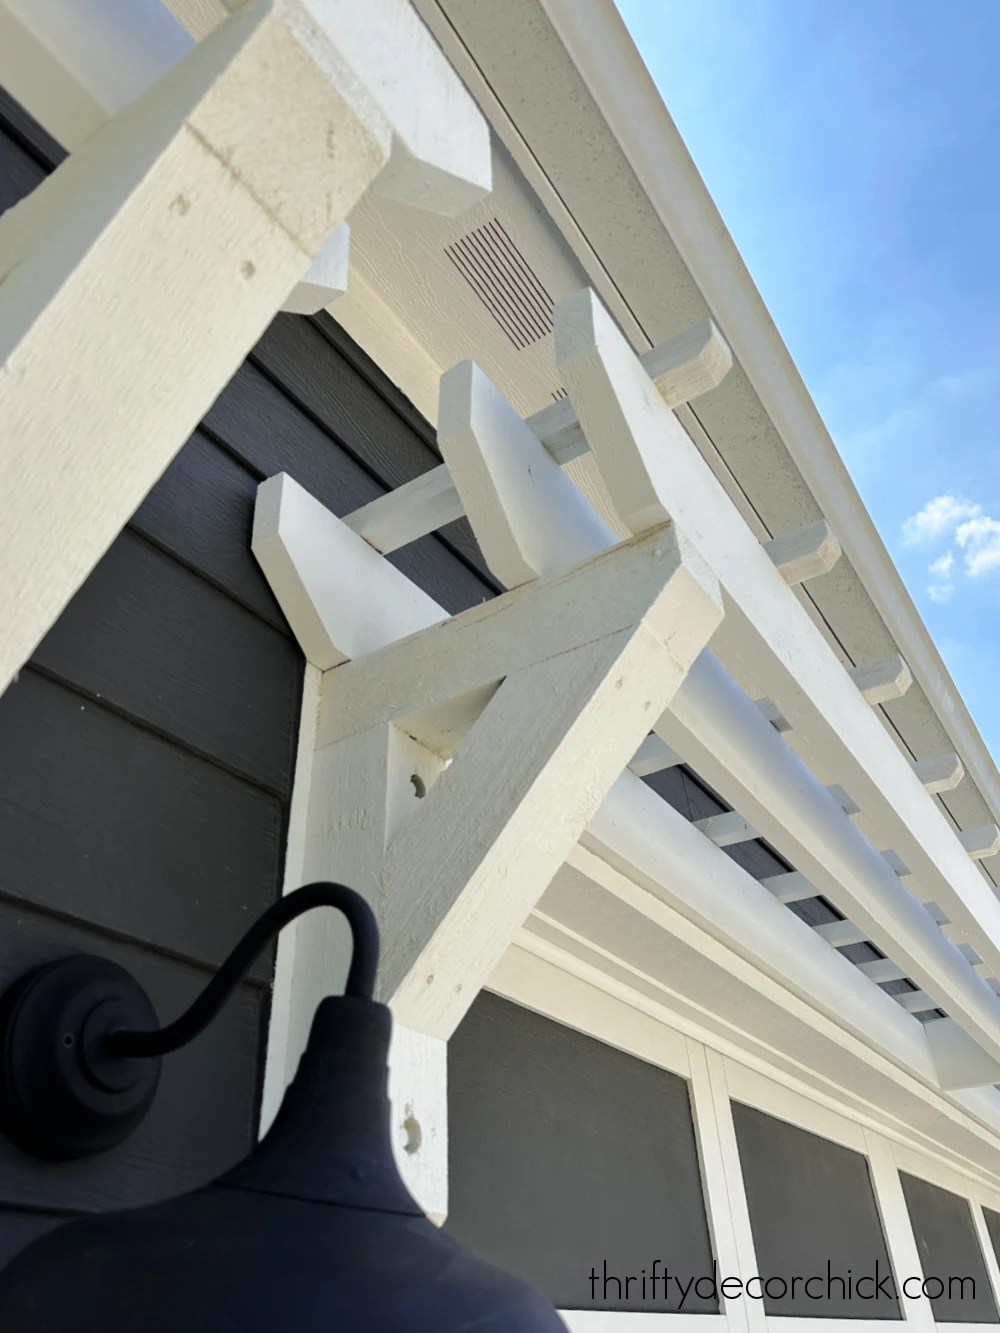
(208, 141)
(690, 364)
(558, 429)
(916, 1001)
(441, 156)
(410, 512)
(840, 934)
(939, 772)
(881, 970)
(960, 1062)
(888, 678)
(773, 714)
(791, 887)
(849, 806)
(726, 829)
(653, 756)
(326, 277)
(337, 593)
(981, 841)
(682, 368)
(895, 862)
(527, 515)
(806, 553)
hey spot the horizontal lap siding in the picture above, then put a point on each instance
(146, 752)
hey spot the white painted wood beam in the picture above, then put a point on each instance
(916, 1002)
(666, 859)
(99, 55)
(527, 520)
(692, 363)
(960, 1062)
(981, 841)
(726, 829)
(580, 680)
(654, 471)
(198, 202)
(881, 970)
(791, 887)
(879, 682)
(437, 683)
(939, 772)
(409, 512)
(806, 553)
(326, 276)
(653, 756)
(337, 594)
(839, 934)
(729, 742)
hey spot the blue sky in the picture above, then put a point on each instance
(853, 150)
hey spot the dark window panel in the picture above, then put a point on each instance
(811, 1204)
(566, 1155)
(949, 1251)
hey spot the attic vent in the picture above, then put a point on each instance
(504, 281)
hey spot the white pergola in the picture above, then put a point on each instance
(477, 776)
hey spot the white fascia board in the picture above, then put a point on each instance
(594, 35)
(657, 953)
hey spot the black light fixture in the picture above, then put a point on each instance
(313, 1230)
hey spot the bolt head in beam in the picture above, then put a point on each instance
(888, 678)
(981, 841)
(940, 772)
(326, 277)
(805, 553)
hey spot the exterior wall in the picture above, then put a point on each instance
(784, 1180)
(146, 753)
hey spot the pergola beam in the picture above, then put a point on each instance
(653, 471)
(203, 211)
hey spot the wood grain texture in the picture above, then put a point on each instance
(102, 821)
(152, 639)
(202, 1118)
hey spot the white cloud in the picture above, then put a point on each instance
(979, 538)
(943, 565)
(940, 592)
(938, 516)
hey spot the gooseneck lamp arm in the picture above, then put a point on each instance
(360, 977)
(313, 1230)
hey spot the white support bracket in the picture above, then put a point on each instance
(198, 206)
(457, 761)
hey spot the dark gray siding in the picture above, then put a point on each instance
(146, 752)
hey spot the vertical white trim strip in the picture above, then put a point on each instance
(899, 1238)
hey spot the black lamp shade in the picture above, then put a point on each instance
(314, 1232)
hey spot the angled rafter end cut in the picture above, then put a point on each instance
(888, 678)
(805, 553)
